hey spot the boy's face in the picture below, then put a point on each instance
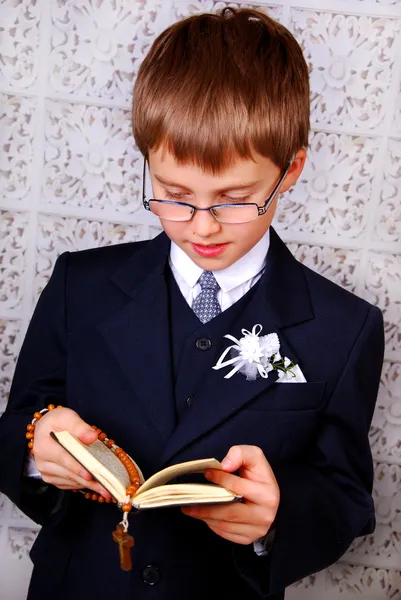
(210, 244)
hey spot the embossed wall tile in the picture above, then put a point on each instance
(17, 125)
(397, 113)
(337, 264)
(3, 502)
(367, 582)
(19, 541)
(385, 439)
(154, 231)
(183, 8)
(97, 47)
(383, 288)
(13, 247)
(388, 218)
(10, 341)
(57, 234)
(90, 158)
(352, 65)
(333, 193)
(16, 513)
(19, 39)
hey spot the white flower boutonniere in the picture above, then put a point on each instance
(256, 356)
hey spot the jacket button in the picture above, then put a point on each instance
(151, 575)
(203, 343)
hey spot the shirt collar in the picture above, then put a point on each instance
(244, 269)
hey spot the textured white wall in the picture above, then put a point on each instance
(70, 179)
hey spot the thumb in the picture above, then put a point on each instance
(84, 432)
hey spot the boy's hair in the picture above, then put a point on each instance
(216, 86)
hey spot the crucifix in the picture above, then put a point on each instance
(125, 543)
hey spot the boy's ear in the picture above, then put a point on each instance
(294, 171)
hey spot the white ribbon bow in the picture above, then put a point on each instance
(254, 354)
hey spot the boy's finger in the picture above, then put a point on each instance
(252, 461)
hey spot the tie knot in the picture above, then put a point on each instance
(207, 281)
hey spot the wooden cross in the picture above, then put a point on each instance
(125, 543)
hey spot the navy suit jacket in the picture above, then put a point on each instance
(99, 343)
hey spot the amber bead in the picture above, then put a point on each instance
(93, 427)
(102, 436)
(30, 444)
(94, 496)
(51, 407)
(107, 500)
(30, 427)
(87, 495)
(29, 435)
(118, 452)
(59, 406)
(31, 451)
(37, 416)
(110, 443)
(126, 507)
(100, 499)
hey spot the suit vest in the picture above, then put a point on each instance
(194, 345)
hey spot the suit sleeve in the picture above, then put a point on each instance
(39, 380)
(326, 499)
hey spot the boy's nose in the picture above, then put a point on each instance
(204, 224)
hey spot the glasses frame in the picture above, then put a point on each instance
(262, 209)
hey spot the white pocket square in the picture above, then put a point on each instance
(289, 376)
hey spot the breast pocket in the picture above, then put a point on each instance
(289, 397)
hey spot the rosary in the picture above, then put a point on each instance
(120, 535)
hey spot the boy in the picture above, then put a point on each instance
(132, 339)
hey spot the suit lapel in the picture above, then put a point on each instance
(281, 300)
(138, 333)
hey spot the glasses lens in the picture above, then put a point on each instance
(236, 213)
(170, 211)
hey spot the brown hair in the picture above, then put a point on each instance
(219, 85)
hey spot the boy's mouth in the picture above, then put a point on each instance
(209, 251)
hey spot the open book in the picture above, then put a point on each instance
(155, 492)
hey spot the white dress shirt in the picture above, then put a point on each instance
(234, 281)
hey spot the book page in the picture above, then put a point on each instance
(99, 460)
(192, 466)
(182, 494)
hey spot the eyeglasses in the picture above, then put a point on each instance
(223, 213)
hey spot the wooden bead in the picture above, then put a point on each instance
(30, 427)
(59, 406)
(87, 495)
(93, 427)
(126, 507)
(37, 416)
(102, 436)
(100, 499)
(107, 500)
(110, 443)
(29, 435)
(51, 407)
(30, 444)
(31, 451)
(94, 496)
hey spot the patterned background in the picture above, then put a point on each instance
(70, 179)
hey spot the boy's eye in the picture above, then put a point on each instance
(238, 200)
(172, 196)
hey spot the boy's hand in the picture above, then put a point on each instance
(54, 463)
(242, 522)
